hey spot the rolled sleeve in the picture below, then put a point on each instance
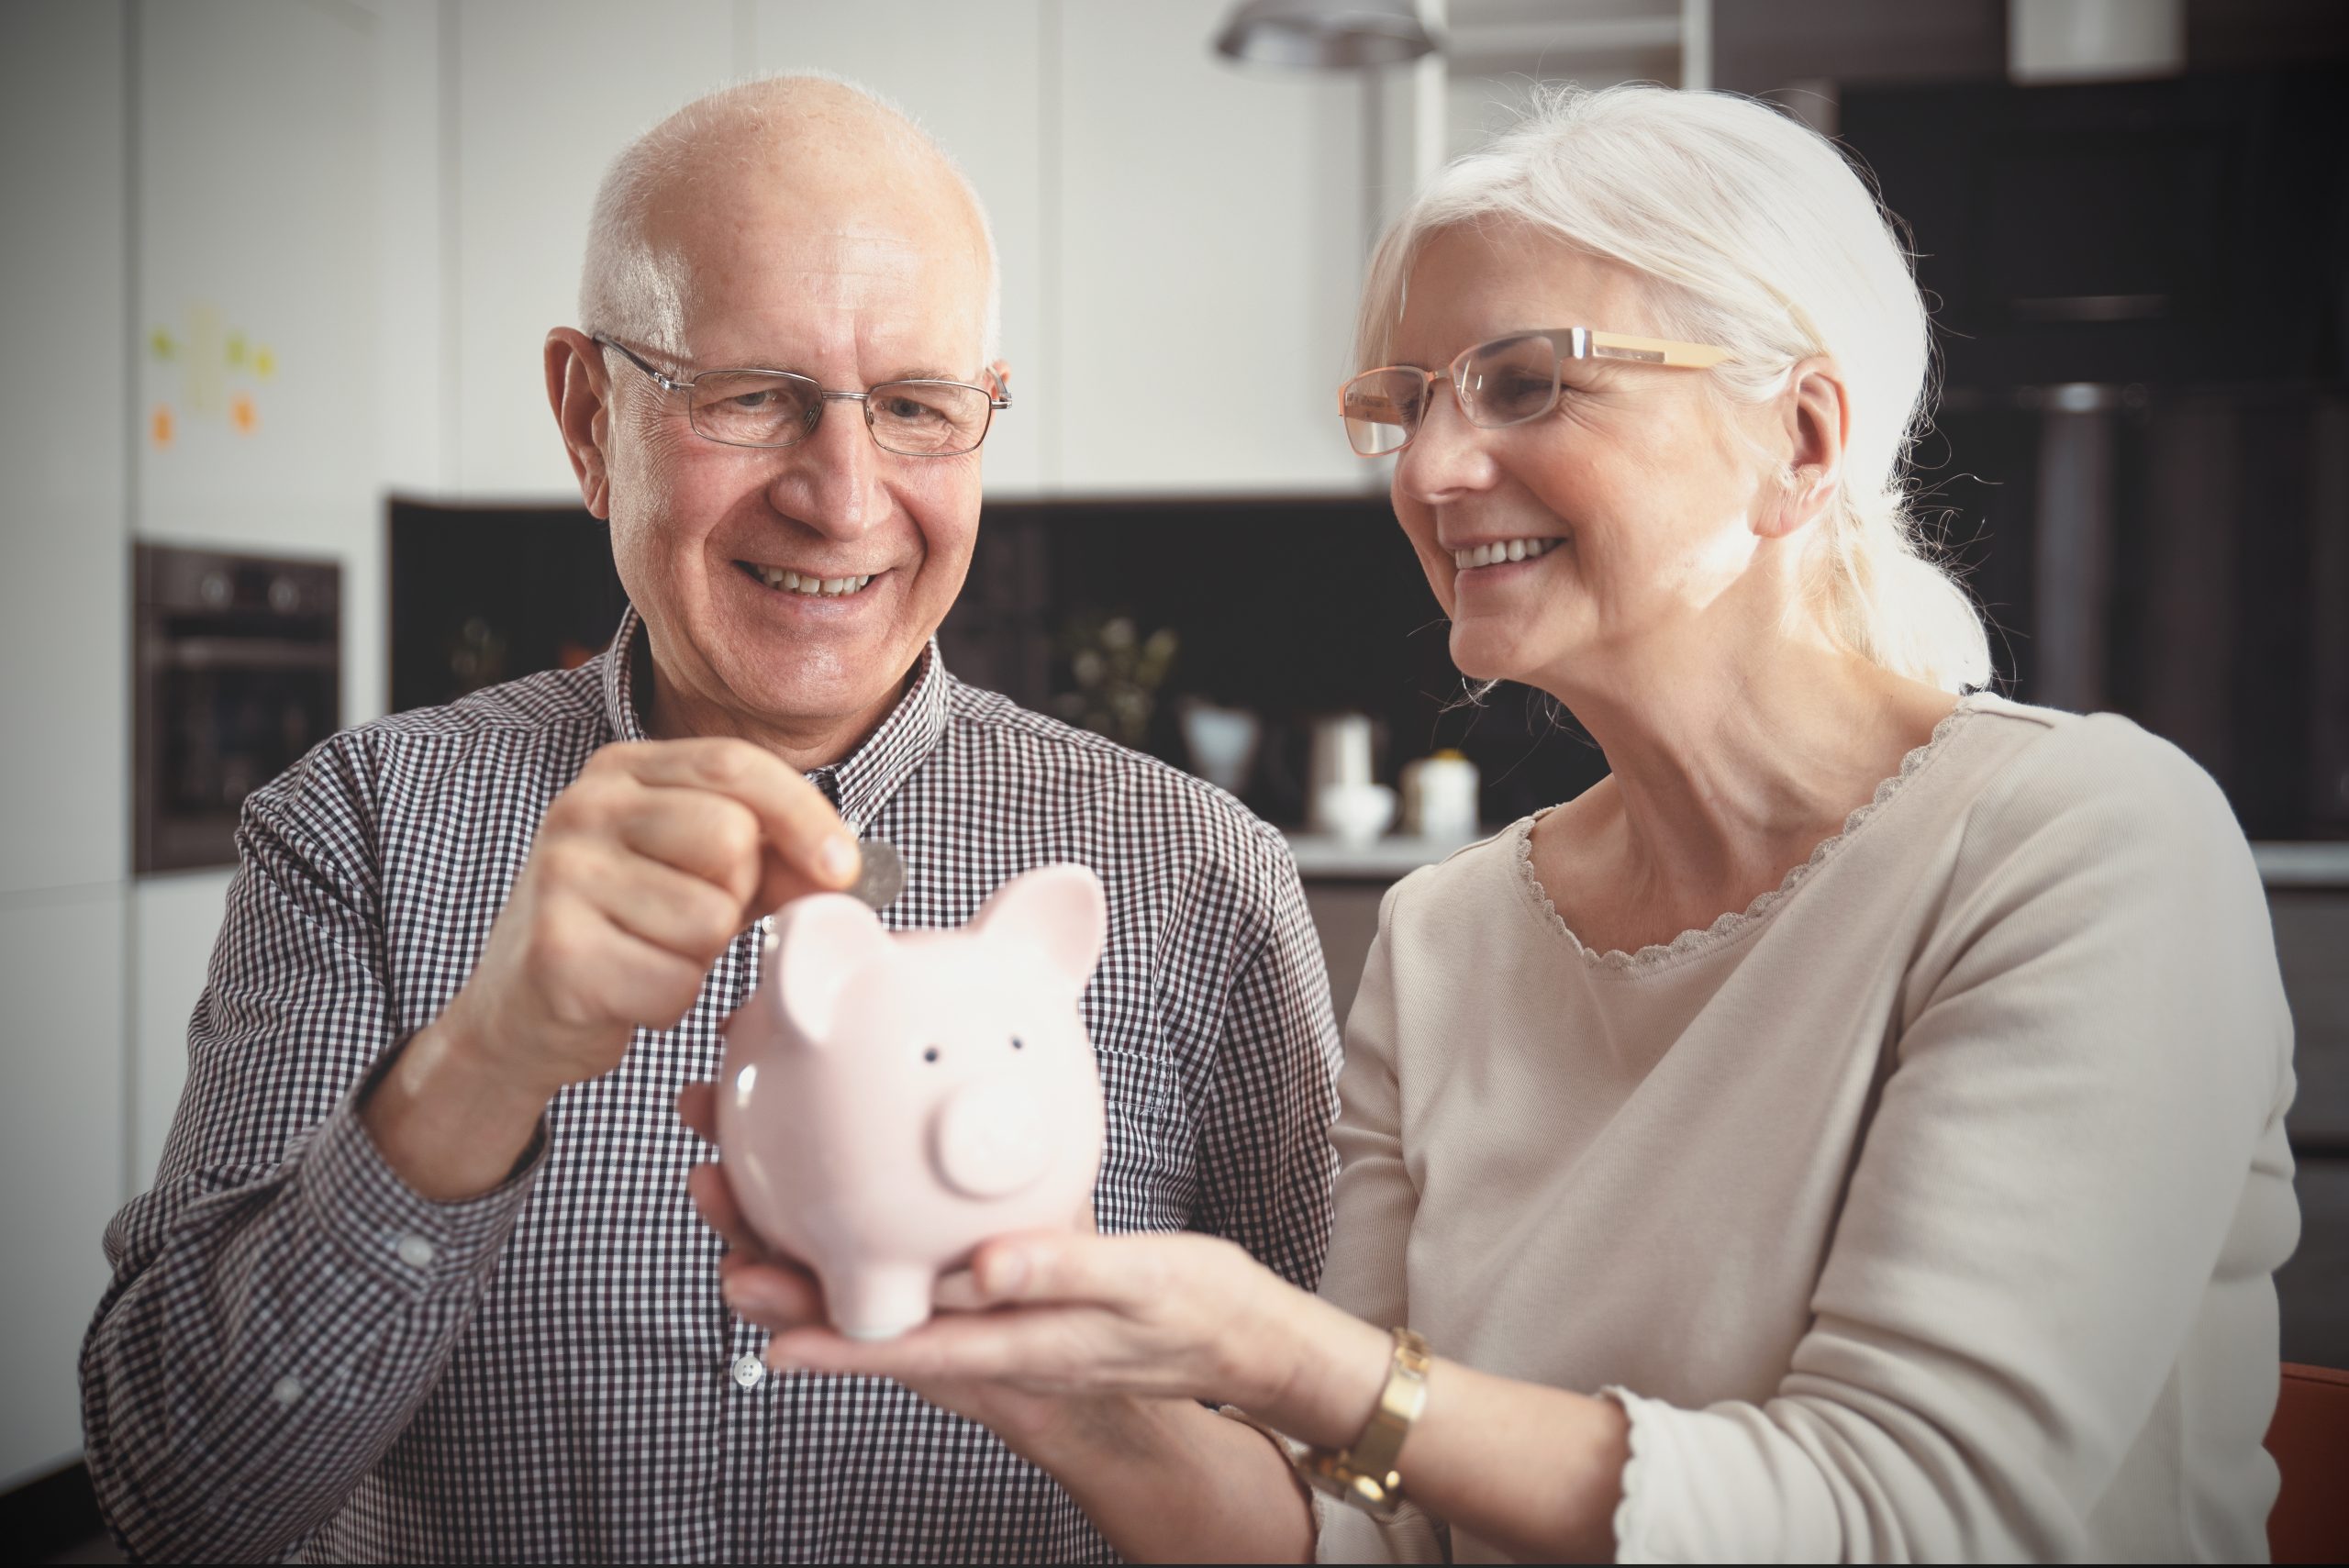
(282, 1302)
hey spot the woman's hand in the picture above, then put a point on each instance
(777, 1294)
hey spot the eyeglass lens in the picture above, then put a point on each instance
(1505, 381)
(772, 408)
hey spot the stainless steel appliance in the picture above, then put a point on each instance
(237, 665)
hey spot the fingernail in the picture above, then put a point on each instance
(838, 859)
(1003, 1274)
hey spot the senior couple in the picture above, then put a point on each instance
(1853, 1130)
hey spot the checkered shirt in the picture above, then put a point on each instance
(298, 1356)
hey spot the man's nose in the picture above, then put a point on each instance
(831, 481)
(1447, 457)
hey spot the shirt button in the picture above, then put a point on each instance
(749, 1370)
(286, 1390)
(414, 1251)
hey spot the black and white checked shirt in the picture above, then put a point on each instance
(298, 1355)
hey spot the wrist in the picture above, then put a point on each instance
(446, 1120)
(1328, 1367)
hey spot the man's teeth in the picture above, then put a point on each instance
(1507, 550)
(776, 577)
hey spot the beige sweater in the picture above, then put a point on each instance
(1927, 1209)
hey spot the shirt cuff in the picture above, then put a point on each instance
(394, 1233)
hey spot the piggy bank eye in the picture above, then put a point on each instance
(1018, 1044)
(930, 1055)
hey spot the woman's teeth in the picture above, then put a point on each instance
(1507, 550)
(791, 582)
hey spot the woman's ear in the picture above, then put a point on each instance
(1818, 421)
(579, 389)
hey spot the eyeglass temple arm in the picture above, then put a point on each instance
(1655, 350)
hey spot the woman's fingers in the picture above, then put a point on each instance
(697, 1108)
(1125, 1273)
(713, 1196)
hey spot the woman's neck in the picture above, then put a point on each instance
(1727, 766)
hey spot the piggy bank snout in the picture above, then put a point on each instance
(991, 1140)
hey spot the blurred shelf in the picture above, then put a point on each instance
(2302, 865)
(1324, 855)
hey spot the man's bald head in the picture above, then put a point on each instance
(804, 138)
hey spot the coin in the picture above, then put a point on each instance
(880, 874)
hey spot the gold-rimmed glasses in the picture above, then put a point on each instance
(920, 417)
(1505, 381)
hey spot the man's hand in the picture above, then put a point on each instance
(653, 859)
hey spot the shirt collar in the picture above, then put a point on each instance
(861, 783)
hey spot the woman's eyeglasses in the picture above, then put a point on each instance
(782, 408)
(1505, 381)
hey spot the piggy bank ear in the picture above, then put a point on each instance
(1057, 912)
(821, 944)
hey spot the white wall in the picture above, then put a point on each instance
(63, 614)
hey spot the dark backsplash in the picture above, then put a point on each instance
(2227, 630)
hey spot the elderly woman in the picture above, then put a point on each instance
(1855, 1129)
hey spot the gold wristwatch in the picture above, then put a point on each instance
(1365, 1474)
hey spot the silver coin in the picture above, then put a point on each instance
(880, 874)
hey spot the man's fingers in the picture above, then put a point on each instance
(669, 908)
(714, 837)
(792, 813)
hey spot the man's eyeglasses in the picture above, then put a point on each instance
(781, 408)
(1505, 381)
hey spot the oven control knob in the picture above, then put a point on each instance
(284, 595)
(216, 590)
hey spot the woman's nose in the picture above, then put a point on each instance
(1447, 456)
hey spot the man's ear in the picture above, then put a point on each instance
(1818, 422)
(1002, 372)
(579, 389)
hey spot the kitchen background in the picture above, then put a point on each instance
(277, 457)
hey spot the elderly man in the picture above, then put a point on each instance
(419, 1276)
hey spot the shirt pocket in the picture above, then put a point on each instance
(1136, 1086)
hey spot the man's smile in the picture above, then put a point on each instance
(807, 584)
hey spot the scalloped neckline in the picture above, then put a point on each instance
(1733, 923)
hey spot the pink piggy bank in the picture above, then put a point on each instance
(891, 1100)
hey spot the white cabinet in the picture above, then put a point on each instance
(61, 1159)
(64, 598)
(174, 923)
(258, 295)
(1181, 241)
(64, 591)
(1209, 253)
(546, 95)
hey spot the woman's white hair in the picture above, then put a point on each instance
(625, 286)
(1755, 235)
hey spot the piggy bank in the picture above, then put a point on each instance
(890, 1100)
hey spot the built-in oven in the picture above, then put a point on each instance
(237, 666)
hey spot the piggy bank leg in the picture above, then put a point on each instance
(879, 1301)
